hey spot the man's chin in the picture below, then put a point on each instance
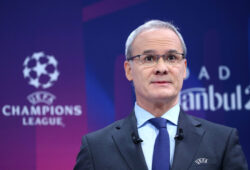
(164, 97)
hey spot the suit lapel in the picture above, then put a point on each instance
(131, 152)
(186, 148)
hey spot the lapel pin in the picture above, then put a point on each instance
(201, 161)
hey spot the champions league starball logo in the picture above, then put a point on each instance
(41, 72)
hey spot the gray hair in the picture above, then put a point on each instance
(152, 24)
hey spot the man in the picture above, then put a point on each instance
(158, 134)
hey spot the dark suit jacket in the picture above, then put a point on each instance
(205, 146)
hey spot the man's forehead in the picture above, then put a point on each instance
(151, 40)
(156, 33)
(152, 51)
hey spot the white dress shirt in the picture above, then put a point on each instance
(149, 132)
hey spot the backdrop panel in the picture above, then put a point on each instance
(62, 71)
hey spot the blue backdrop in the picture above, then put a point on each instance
(87, 39)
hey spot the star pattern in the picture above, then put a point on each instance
(40, 69)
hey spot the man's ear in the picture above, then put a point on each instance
(185, 71)
(128, 70)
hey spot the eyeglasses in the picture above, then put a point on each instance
(171, 58)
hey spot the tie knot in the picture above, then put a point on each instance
(159, 122)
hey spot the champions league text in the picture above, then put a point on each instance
(42, 115)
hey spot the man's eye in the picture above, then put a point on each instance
(149, 58)
(171, 58)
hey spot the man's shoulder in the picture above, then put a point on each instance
(106, 131)
(212, 126)
(214, 134)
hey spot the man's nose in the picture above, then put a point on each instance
(161, 67)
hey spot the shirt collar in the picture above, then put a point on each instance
(143, 116)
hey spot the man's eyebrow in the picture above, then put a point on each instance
(172, 51)
(148, 51)
(153, 51)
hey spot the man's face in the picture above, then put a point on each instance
(161, 82)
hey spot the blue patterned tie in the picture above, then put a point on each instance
(161, 156)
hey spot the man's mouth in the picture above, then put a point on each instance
(160, 82)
